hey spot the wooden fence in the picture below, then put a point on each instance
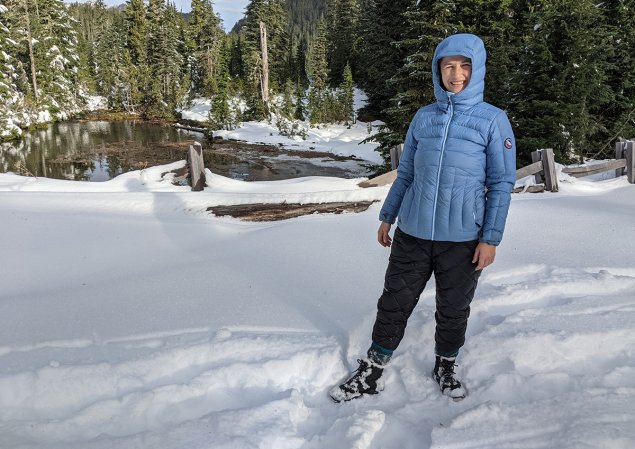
(543, 168)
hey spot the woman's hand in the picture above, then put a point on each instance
(484, 255)
(382, 235)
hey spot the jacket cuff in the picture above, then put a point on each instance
(386, 218)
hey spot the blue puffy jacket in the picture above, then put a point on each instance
(458, 166)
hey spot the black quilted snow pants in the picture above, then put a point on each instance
(412, 262)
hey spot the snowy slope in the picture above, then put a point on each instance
(131, 318)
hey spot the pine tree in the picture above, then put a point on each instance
(619, 115)
(342, 35)
(135, 75)
(301, 63)
(300, 112)
(381, 25)
(207, 37)
(10, 98)
(61, 56)
(287, 109)
(113, 66)
(51, 59)
(220, 114)
(163, 59)
(425, 25)
(345, 98)
(562, 83)
(236, 67)
(273, 14)
(318, 93)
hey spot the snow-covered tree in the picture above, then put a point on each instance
(10, 97)
(58, 58)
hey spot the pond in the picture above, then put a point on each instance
(100, 150)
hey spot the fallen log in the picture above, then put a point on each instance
(284, 211)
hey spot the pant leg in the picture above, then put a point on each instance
(409, 269)
(456, 280)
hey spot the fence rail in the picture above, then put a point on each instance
(543, 168)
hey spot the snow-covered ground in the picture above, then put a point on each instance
(337, 139)
(132, 318)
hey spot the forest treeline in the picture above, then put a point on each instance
(562, 69)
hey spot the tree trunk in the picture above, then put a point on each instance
(264, 82)
(31, 56)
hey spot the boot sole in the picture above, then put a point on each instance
(338, 401)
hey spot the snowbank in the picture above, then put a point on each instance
(131, 318)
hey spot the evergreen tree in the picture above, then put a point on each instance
(318, 93)
(381, 25)
(300, 112)
(10, 98)
(619, 114)
(236, 67)
(207, 37)
(273, 15)
(135, 74)
(562, 83)
(50, 60)
(163, 59)
(301, 63)
(425, 25)
(220, 114)
(342, 35)
(345, 97)
(61, 80)
(114, 66)
(287, 100)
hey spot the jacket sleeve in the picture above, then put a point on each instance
(500, 177)
(405, 175)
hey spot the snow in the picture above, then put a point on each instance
(96, 103)
(198, 111)
(131, 317)
(337, 139)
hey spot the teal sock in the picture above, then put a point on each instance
(379, 354)
(451, 354)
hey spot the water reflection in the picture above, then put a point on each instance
(77, 151)
(101, 150)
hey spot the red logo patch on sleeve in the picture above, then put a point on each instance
(508, 143)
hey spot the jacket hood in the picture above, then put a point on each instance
(469, 46)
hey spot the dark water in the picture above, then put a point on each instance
(77, 151)
(83, 151)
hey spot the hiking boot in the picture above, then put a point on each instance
(366, 380)
(443, 373)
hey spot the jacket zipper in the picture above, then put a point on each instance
(445, 138)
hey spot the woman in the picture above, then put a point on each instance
(451, 197)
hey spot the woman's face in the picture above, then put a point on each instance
(456, 72)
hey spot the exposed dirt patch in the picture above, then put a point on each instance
(284, 211)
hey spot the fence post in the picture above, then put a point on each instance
(395, 155)
(549, 169)
(629, 153)
(619, 154)
(535, 157)
(197, 167)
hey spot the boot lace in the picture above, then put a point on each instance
(448, 376)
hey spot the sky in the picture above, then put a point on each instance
(231, 11)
